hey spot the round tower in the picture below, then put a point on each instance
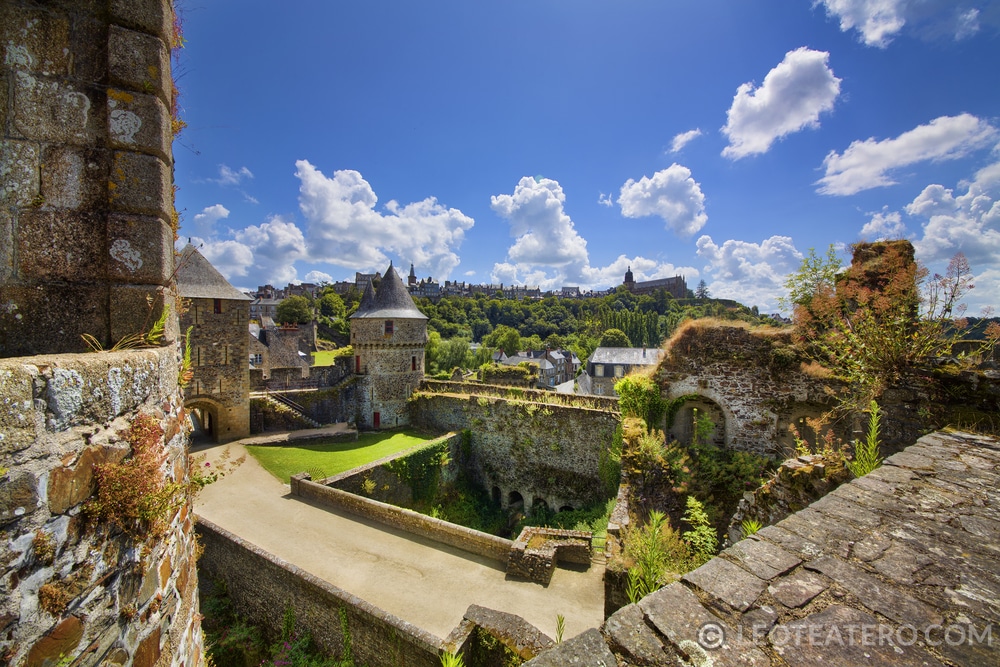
(389, 336)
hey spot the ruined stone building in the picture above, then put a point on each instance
(389, 335)
(216, 314)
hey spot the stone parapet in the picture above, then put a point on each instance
(75, 588)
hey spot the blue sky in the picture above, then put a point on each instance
(557, 143)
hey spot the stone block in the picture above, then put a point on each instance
(140, 250)
(60, 641)
(70, 486)
(876, 595)
(139, 62)
(727, 582)
(73, 177)
(55, 110)
(762, 559)
(700, 636)
(6, 246)
(135, 308)
(19, 183)
(139, 122)
(629, 635)
(798, 589)
(839, 635)
(587, 648)
(148, 651)
(49, 318)
(18, 497)
(17, 414)
(156, 18)
(34, 40)
(61, 245)
(140, 184)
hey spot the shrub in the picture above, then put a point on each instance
(133, 495)
(702, 539)
(866, 452)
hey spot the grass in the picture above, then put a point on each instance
(324, 358)
(325, 458)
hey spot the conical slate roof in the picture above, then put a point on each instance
(391, 301)
(198, 279)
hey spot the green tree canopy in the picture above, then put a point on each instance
(504, 338)
(331, 305)
(615, 338)
(702, 291)
(294, 310)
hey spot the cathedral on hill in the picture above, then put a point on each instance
(677, 286)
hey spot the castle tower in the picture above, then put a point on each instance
(389, 335)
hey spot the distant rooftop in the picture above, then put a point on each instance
(633, 356)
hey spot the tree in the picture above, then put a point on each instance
(331, 305)
(504, 338)
(294, 310)
(615, 338)
(702, 291)
(640, 396)
(816, 276)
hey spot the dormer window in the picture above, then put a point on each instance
(388, 328)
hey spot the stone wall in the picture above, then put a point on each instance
(219, 359)
(749, 381)
(86, 204)
(473, 541)
(261, 586)
(534, 451)
(71, 588)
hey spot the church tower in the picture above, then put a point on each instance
(629, 280)
(389, 336)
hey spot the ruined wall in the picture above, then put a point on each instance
(748, 380)
(70, 588)
(86, 202)
(219, 359)
(261, 586)
(539, 451)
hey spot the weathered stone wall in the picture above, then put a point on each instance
(749, 379)
(86, 202)
(71, 589)
(545, 453)
(503, 391)
(219, 360)
(261, 586)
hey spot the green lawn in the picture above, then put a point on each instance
(324, 358)
(325, 458)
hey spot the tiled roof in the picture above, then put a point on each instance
(198, 279)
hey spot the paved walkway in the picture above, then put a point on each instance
(417, 580)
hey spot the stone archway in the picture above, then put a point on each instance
(208, 417)
(695, 411)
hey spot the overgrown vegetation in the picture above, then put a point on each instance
(866, 452)
(880, 317)
(134, 495)
(232, 641)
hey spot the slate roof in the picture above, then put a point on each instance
(390, 301)
(198, 279)
(632, 356)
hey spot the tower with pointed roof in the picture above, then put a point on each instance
(217, 315)
(389, 336)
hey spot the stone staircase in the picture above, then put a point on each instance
(284, 404)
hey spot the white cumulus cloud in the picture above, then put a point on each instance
(344, 228)
(884, 225)
(866, 164)
(965, 219)
(683, 139)
(751, 273)
(879, 21)
(792, 97)
(204, 222)
(228, 176)
(671, 194)
(318, 277)
(549, 252)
